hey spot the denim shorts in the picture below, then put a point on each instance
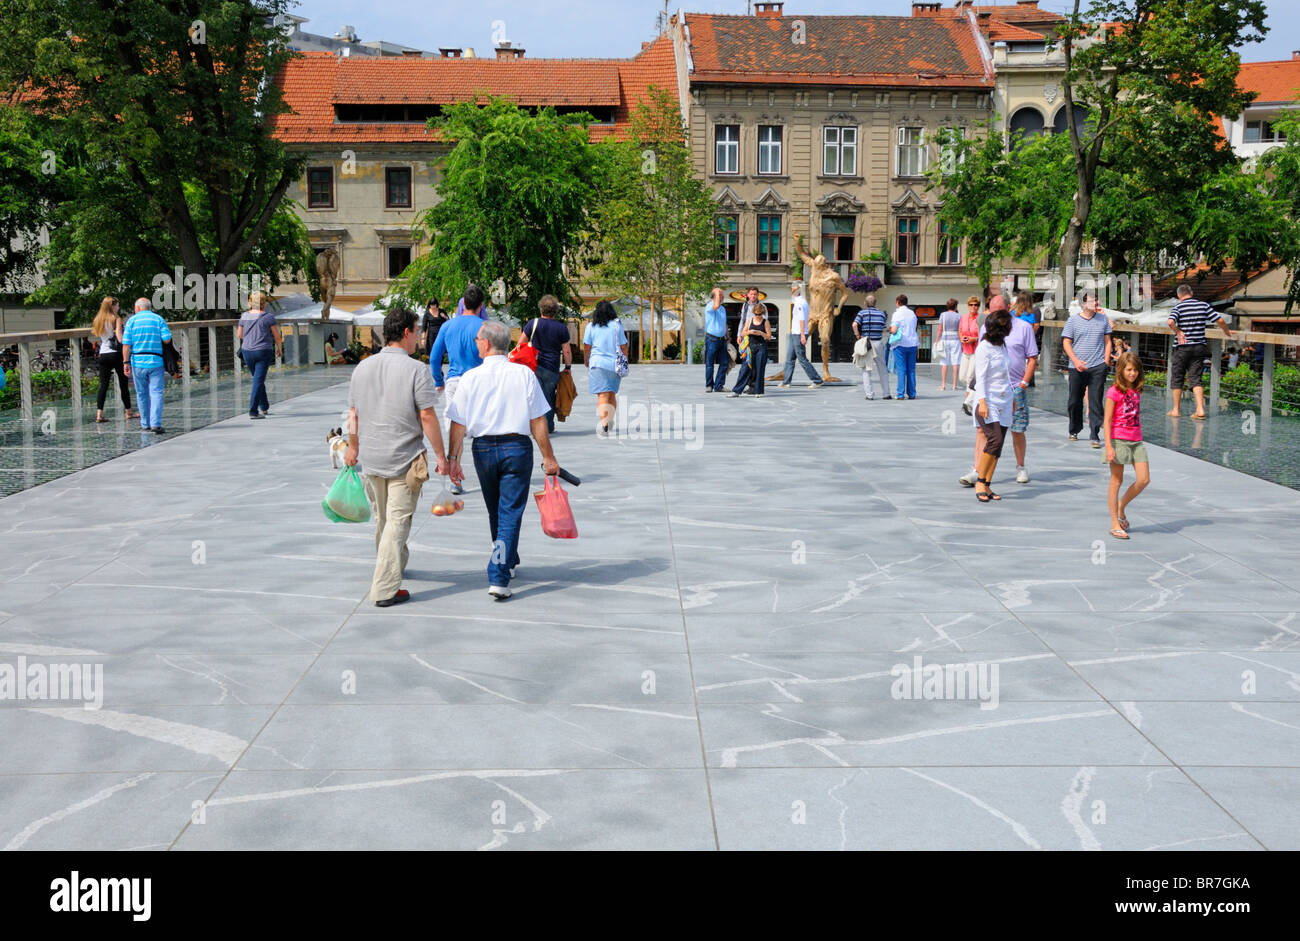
(1019, 411)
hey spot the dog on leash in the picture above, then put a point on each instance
(338, 444)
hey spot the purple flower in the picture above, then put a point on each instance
(863, 283)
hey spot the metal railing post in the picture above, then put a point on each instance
(74, 374)
(1216, 374)
(25, 380)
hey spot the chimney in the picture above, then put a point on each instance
(508, 51)
(926, 9)
(450, 52)
(768, 9)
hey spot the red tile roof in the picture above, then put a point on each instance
(893, 51)
(1273, 82)
(315, 82)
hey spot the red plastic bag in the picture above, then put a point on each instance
(524, 353)
(557, 517)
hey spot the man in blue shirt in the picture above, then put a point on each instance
(458, 339)
(715, 343)
(142, 341)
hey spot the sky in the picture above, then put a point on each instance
(616, 28)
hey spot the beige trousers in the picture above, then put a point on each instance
(395, 504)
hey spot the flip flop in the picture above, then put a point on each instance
(1119, 534)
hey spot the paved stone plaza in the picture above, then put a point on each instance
(715, 663)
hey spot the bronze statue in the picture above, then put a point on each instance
(328, 265)
(821, 283)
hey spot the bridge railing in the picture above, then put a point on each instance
(185, 337)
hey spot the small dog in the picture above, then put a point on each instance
(338, 444)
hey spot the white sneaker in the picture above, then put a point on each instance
(499, 592)
(1022, 476)
(968, 480)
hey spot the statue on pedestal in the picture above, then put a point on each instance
(329, 266)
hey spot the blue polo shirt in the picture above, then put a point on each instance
(715, 320)
(145, 332)
(456, 340)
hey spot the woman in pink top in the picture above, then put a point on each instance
(968, 330)
(1122, 430)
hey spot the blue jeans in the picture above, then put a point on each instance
(149, 394)
(715, 353)
(905, 357)
(548, 379)
(504, 465)
(259, 361)
(752, 370)
(795, 352)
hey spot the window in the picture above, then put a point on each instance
(1259, 132)
(839, 151)
(320, 188)
(837, 238)
(727, 150)
(908, 250)
(728, 229)
(397, 188)
(949, 247)
(769, 150)
(769, 238)
(399, 259)
(911, 152)
(949, 154)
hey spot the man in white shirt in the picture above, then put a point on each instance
(794, 350)
(498, 404)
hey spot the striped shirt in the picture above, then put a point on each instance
(145, 333)
(1192, 316)
(871, 322)
(1088, 334)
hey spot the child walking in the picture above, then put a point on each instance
(1122, 431)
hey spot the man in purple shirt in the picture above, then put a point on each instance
(1022, 360)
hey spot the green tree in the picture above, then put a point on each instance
(657, 234)
(1150, 75)
(165, 105)
(515, 201)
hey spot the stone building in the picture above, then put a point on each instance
(362, 122)
(824, 126)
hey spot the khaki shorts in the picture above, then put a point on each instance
(1128, 452)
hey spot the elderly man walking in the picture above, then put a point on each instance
(392, 400)
(498, 405)
(142, 352)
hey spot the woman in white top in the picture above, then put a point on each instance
(994, 410)
(903, 326)
(107, 332)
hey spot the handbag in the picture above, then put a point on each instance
(524, 353)
(557, 515)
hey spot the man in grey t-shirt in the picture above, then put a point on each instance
(391, 397)
(1086, 341)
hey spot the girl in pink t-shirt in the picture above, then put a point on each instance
(1122, 431)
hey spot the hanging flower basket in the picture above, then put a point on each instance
(863, 283)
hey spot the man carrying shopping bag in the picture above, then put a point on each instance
(392, 400)
(498, 405)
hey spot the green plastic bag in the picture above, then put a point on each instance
(346, 501)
